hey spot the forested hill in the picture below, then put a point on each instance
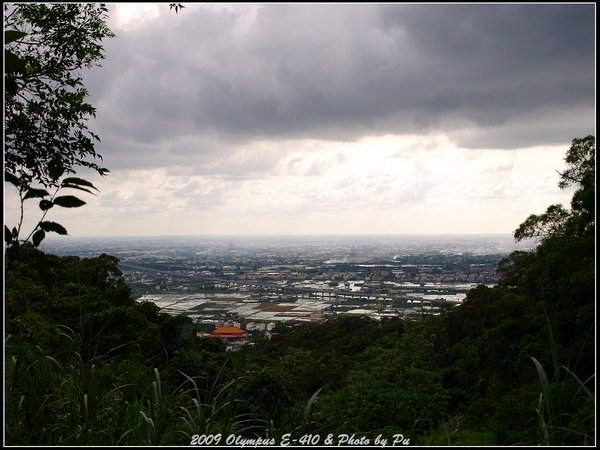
(514, 364)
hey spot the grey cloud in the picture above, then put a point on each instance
(243, 166)
(198, 195)
(500, 169)
(543, 128)
(195, 154)
(307, 166)
(381, 191)
(334, 71)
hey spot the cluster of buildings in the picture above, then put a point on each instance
(402, 273)
(241, 292)
(240, 288)
(234, 337)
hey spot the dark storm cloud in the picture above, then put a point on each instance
(334, 71)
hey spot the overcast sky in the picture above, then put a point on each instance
(335, 119)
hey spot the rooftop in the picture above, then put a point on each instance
(228, 332)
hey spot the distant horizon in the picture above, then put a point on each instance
(278, 235)
(440, 238)
(334, 246)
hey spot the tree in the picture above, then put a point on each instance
(560, 271)
(45, 112)
(47, 45)
(580, 220)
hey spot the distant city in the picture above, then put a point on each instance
(257, 282)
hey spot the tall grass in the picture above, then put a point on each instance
(213, 413)
(59, 399)
(66, 399)
(298, 420)
(565, 409)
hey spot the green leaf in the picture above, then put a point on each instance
(68, 201)
(46, 205)
(60, 41)
(10, 86)
(78, 188)
(38, 237)
(309, 405)
(53, 226)
(55, 169)
(11, 179)
(79, 181)
(72, 181)
(14, 64)
(545, 386)
(7, 235)
(32, 193)
(13, 35)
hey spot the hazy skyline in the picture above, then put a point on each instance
(334, 118)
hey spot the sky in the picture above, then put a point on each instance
(295, 119)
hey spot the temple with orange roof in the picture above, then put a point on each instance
(233, 337)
